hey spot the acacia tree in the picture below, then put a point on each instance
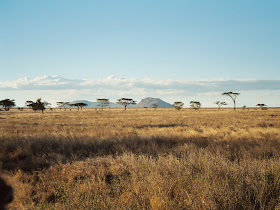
(178, 105)
(7, 104)
(155, 106)
(220, 103)
(62, 105)
(38, 105)
(125, 102)
(195, 105)
(103, 102)
(233, 96)
(262, 106)
(79, 105)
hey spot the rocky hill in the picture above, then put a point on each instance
(148, 103)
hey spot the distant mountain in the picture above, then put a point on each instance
(148, 102)
(96, 104)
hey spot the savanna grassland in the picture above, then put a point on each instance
(142, 159)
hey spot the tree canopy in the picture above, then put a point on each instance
(178, 105)
(125, 102)
(103, 102)
(195, 104)
(232, 95)
(79, 105)
(262, 106)
(155, 106)
(7, 104)
(220, 103)
(38, 105)
(62, 104)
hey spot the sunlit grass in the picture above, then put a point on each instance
(142, 158)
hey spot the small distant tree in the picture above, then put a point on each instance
(79, 105)
(262, 106)
(7, 104)
(233, 96)
(38, 105)
(61, 104)
(178, 105)
(71, 105)
(103, 102)
(125, 102)
(155, 106)
(220, 103)
(195, 105)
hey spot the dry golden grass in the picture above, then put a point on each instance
(142, 159)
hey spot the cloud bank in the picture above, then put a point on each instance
(58, 88)
(59, 83)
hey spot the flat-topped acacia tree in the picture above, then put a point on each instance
(155, 106)
(262, 106)
(79, 105)
(233, 96)
(62, 105)
(178, 105)
(103, 102)
(220, 103)
(7, 104)
(195, 105)
(125, 102)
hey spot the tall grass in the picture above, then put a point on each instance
(142, 159)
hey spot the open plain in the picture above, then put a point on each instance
(142, 158)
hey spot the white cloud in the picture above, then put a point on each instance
(55, 88)
(59, 83)
(42, 82)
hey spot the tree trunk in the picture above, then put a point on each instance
(124, 108)
(234, 105)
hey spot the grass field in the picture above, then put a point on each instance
(142, 158)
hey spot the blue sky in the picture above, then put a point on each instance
(179, 40)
